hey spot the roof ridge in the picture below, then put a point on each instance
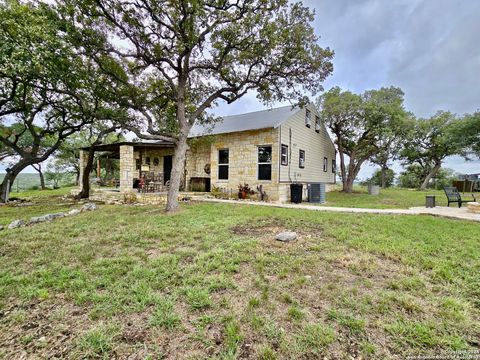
(258, 111)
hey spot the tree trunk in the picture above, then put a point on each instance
(38, 168)
(77, 178)
(85, 192)
(384, 177)
(343, 172)
(431, 174)
(178, 166)
(9, 178)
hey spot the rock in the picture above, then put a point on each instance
(38, 219)
(44, 218)
(1, 227)
(16, 224)
(89, 207)
(286, 236)
(73, 212)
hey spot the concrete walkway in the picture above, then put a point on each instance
(449, 212)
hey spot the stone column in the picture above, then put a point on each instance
(127, 168)
(83, 163)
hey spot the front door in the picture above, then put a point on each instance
(167, 167)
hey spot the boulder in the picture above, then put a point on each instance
(89, 207)
(16, 224)
(73, 212)
(286, 236)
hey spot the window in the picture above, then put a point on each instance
(308, 119)
(284, 155)
(138, 165)
(147, 160)
(317, 123)
(325, 164)
(156, 161)
(223, 164)
(264, 163)
(334, 166)
(301, 159)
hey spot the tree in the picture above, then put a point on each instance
(342, 112)
(413, 176)
(97, 135)
(386, 109)
(38, 168)
(49, 89)
(432, 141)
(384, 178)
(467, 133)
(185, 56)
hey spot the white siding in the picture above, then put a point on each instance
(316, 147)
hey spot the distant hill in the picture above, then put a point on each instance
(24, 181)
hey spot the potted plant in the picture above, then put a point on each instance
(244, 190)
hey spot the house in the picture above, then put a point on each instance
(273, 148)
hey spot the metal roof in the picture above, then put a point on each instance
(263, 119)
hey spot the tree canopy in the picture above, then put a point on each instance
(182, 57)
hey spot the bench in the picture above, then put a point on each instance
(453, 196)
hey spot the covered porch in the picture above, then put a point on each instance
(145, 167)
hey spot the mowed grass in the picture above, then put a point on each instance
(390, 198)
(210, 282)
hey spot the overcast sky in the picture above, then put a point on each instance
(429, 48)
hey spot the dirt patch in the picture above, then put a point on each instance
(267, 228)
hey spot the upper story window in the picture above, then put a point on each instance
(325, 164)
(317, 123)
(308, 118)
(264, 163)
(334, 166)
(301, 159)
(147, 160)
(223, 164)
(284, 155)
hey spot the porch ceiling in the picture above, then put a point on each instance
(115, 147)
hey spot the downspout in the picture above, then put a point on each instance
(289, 153)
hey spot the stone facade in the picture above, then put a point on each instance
(127, 168)
(243, 160)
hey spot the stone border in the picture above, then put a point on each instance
(49, 217)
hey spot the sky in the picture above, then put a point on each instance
(429, 48)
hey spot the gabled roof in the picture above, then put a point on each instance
(263, 119)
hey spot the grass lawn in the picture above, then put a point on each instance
(396, 198)
(210, 282)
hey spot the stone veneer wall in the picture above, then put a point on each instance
(197, 158)
(243, 160)
(127, 168)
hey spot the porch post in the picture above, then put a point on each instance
(83, 163)
(127, 168)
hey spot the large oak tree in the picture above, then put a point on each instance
(183, 57)
(49, 89)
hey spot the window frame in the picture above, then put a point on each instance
(300, 165)
(224, 165)
(283, 146)
(317, 124)
(308, 118)
(264, 163)
(325, 164)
